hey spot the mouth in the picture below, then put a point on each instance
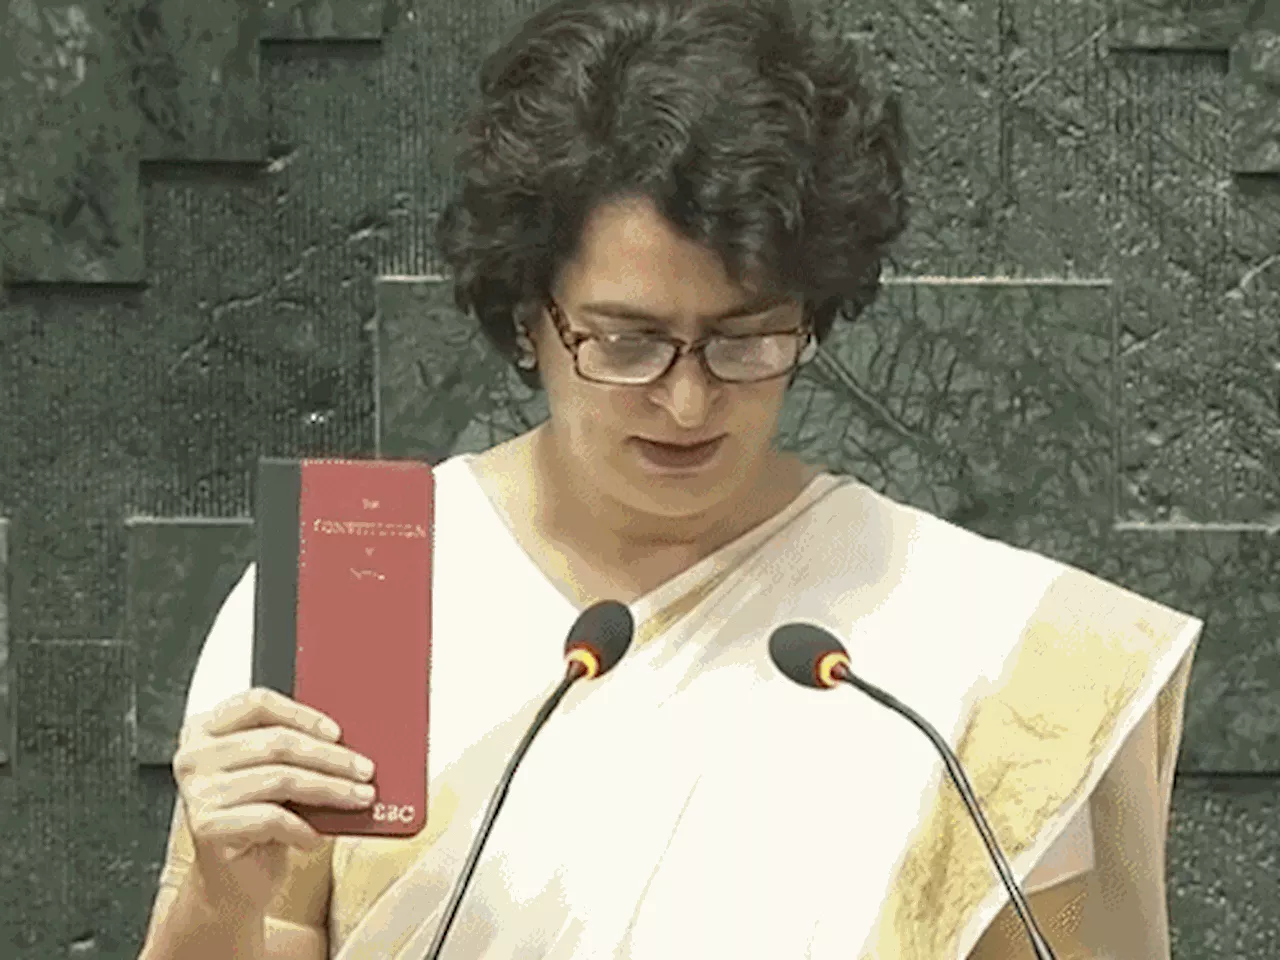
(677, 457)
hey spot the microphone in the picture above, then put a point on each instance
(596, 642)
(812, 657)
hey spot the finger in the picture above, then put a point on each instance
(236, 850)
(279, 783)
(233, 851)
(239, 828)
(280, 745)
(260, 707)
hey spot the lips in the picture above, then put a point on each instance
(680, 444)
(678, 457)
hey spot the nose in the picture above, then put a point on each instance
(687, 392)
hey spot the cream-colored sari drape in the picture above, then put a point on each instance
(694, 802)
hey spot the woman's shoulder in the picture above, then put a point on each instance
(925, 554)
(225, 664)
(917, 538)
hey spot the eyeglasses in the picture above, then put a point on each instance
(626, 359)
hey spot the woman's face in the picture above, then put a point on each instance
(633, 261)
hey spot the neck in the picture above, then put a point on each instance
(617, 530)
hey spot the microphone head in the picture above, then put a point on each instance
(600, 636)
(807, 654)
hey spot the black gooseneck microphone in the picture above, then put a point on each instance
(812, 657)
(596, 642)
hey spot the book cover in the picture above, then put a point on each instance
(343, 618)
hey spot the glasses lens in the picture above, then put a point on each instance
(624, 360)
(639, 360)
(744, 359)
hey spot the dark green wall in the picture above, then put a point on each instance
(215, 235)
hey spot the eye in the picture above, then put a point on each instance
(633, 333)
(757, 330)
(762, 324)
(628, 344)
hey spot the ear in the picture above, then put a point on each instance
(530, 315)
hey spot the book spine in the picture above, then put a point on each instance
(277, 502)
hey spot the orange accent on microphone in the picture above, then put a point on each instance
(588, 659)
(827, 666)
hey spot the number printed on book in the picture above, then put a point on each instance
(390, 813)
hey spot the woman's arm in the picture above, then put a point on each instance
(1058, 911)
(1119, 908)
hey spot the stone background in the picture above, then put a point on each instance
(215, 222)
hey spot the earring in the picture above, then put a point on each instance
(810, 349)
(527, 358)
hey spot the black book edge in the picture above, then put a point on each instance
(277, 503)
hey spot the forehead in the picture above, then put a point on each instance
(629, 253)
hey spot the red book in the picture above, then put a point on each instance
(343, 618)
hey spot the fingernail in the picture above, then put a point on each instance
(330, 729)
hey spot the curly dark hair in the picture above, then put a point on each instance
(753, 134)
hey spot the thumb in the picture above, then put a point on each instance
(233, 850)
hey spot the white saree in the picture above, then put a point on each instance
(693, 802)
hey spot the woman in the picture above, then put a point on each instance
(665, 206)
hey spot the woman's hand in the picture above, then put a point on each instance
(235, 767)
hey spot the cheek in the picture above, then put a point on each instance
(758, 412)
(606, 416)
(586, 414)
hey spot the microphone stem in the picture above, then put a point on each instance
(1038, 941)
(572, 675)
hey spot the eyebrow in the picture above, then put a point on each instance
(622, 311)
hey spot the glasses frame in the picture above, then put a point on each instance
(574, 339)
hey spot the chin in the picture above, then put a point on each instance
(678, 498)
(671, 507)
